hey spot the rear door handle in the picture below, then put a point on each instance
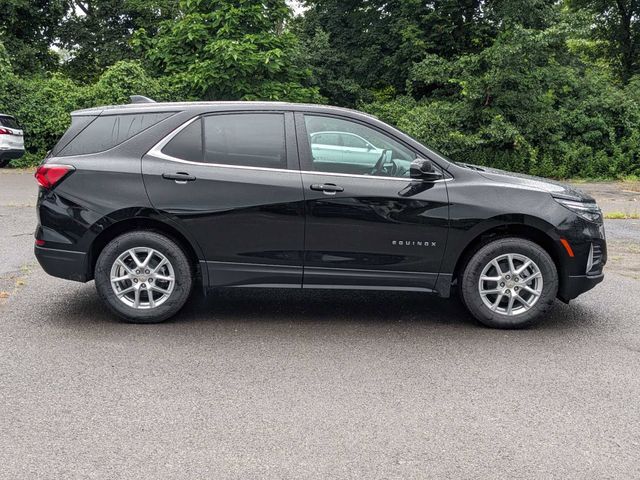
(179, 177)
(327, 188)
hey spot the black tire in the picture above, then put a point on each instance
(470, 280)
(4, 163)
(182, 269)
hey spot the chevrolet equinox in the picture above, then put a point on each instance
(151, 199)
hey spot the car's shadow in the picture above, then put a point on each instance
(325, 305)
(244, 306)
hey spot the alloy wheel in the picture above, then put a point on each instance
(510, 284)
(142, 278)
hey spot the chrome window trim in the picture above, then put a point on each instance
(156, 151)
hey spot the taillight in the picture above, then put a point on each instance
(4, 131)
(48, 176)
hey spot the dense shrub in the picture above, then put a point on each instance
(43, 104)
(520, 85)
(525, 104)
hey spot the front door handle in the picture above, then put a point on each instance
(179, 177)
(327, 188)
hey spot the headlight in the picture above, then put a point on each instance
(587, 210)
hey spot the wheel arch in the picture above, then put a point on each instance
(144, 223)
(528, 231)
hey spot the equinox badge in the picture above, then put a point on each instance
(412, 243)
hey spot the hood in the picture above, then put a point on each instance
(557, 189)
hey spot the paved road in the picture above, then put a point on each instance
(615, 197)
(268, 384)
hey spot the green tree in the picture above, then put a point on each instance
(230, 49)
(28, 28)
(617, 22)
(5, 62)
(97, 33)
(375, 42)
(527, 103)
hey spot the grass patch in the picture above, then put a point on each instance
(622, 216)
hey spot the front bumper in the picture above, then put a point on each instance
(577, 285)
(64, 263)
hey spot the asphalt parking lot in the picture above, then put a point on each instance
(269, 384)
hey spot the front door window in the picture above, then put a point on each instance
(342, 146)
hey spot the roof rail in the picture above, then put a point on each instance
(141, 99)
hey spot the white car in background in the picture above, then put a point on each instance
(339, 147)
(11, 139)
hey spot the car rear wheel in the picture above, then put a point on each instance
(509, 283)
(143, 277)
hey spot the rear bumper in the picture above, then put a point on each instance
(10, 154)
(63, 263)
(575, 286)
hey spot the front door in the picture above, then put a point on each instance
(369, 225)
(232, 181)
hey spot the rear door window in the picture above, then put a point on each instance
(108, 131)
(246, 139)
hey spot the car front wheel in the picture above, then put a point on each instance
(143, 277)
(509, 283)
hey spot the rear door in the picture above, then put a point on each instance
(369, 227)
(233, 181)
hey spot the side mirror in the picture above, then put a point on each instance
(423, 169)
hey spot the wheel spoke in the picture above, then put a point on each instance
(158, 289)
(526, 265)
(510, 305)
(162, 263)
(152, 303)
(524, 303)
(135, 258)
(497, 265)
(490, 279)
(121, 293)
(124, 265)
(136, 300)
(531, 291)
(163, 278)
(532, 277)
(146, 261)
(490, 292)
(512, 268)
(497, 302)
(121, 279)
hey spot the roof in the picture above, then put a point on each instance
(221, 105)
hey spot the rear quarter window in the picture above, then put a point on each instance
(108, 131)
(78, 123)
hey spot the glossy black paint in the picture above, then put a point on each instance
(371, 231)
(265, 227)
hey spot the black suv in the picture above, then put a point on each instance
(150, 199)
